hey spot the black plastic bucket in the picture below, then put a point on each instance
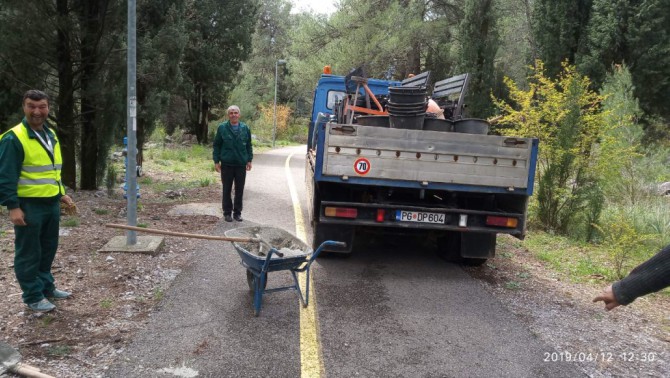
(471, 126)
(373, 120)
(414, 122)
(407, 95)
(437, 124)
(407, 108)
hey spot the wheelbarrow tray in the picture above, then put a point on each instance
(295, 251)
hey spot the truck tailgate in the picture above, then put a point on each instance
(429, 156)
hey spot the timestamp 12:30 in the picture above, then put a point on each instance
(565, 356)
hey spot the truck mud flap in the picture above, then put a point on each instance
(335, 232)
(478, 245)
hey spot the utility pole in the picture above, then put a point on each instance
(131, 167)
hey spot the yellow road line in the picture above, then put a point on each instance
(311, 363)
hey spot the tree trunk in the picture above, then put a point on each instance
(67, 133)
(202, 110)
(204, 120)
(89, 55)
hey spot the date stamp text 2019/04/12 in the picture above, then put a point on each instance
(565, 356)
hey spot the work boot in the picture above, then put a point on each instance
(238, 217)
(59, 294)
(42, 306)
(228, 218)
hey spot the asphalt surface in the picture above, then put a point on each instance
(393, 309)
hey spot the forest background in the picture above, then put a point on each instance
(590, 78)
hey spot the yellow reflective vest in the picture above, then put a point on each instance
(40, 177)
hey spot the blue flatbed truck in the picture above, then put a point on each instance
(463, 189)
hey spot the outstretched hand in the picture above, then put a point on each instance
(608, 297)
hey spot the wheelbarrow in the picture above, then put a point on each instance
(263, 249)
(278, 250)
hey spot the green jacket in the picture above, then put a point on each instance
(231, 148)
(11, 161)
(649, 277)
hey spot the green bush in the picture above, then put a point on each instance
(110, 179)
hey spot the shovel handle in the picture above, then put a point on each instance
(29, 371)
(182, 234)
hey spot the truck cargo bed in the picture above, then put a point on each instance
(429, 157)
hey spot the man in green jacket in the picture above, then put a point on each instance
(31, 189)
(232, 158)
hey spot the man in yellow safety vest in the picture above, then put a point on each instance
(31, 189)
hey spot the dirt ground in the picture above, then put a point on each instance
(115, 293)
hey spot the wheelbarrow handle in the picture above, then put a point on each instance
(331, 243)
(336, 243)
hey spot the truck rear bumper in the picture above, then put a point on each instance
(425, 218)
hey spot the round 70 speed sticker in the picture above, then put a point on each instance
(362, 166)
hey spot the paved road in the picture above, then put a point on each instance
(391, 310)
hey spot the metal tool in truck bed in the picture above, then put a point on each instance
(459, 187)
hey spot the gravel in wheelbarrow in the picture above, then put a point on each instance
(276, 250)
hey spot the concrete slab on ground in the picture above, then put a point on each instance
(213, 209)
(150, 245)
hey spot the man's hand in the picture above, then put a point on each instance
(608, 297)
(16, 216)
(217, 166)
(67, 200)
(68, 206)
(248, 166)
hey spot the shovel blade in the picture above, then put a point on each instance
(9, 357)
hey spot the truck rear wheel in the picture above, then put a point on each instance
(335, 232)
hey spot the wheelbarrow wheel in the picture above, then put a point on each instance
(251, 281)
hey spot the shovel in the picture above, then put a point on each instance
(10, 360)
(194, 236)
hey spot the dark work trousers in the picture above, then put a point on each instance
(35, 248)
(229, 175)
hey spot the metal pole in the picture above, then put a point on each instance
(274, 118)
(274, 123)
(131, 168)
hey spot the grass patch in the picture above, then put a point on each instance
(513, 285)
(59, 350)
(523, 275)
(101, 211)
(143, 225)
(71, 222)
(46, 320)
(106, 303)
(158, 294)
(186, 167)
(577, 261)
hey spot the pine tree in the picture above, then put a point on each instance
(637, 34)
(559, 29)
(478, 46)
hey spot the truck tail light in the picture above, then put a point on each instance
(502, 221)
(341, 212)
(380, 215)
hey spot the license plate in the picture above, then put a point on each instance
(419, 216)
